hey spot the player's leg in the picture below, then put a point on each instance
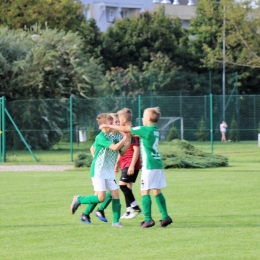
(125, 183)
(100, 212)
(100, 195)
(116, 206)
(146, 200)
(160, 182)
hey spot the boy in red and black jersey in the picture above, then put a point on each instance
(130, 165)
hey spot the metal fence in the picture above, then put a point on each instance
(43, 124)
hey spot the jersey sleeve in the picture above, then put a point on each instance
(135, 141)
(140, 131)
(101, 140)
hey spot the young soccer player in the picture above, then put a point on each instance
(153, 177)
(130, 166)
(100, 213)
(102, 171)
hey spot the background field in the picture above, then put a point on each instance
(216, 214)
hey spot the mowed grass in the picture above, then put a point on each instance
(216, 215)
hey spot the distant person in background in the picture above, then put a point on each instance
(223, 129)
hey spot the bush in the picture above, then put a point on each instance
(91, 134)
(258, 128)
(82, 160)
(173, 134)
(202, 134)
(233, 131)
(182, 154)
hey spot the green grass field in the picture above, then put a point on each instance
(216, 214)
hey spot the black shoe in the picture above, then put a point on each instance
(85, 218)
(74, 204)
(147, 224)
(165, 222)
(101, 215)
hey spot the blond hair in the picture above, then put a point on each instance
(126, 113)
(103, 118)
(154, 113)
(113, 115)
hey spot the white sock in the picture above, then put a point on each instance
(134, 204)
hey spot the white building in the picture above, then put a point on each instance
(106, 12)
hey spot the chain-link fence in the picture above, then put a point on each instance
(46, 124)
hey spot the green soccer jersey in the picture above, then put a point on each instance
(104, 159)
(149, 139)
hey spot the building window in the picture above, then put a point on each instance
(86, 13)
(111, 14)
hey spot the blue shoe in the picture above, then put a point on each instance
(85, 219)
(101, 215)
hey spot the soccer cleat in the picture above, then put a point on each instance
(85, 219)
(133, 213)
(74, 204)
(125, 215)
(147, 224)
(117, 224)
(101, 215)
(165, 222)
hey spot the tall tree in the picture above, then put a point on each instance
(62, 14)
(49, 64)
(132, 40)
(236, 23)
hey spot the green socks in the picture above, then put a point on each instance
(161, 203)
(116, 208)
(90, 208)
(106, 202)
(147, 207)
(93, 199)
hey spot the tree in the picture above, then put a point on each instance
(202, 133)
(131, 40)
(62, 14)
(241, 32)
(49, 65)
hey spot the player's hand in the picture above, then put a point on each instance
(131, 171)
(102, 126)
(116, 169)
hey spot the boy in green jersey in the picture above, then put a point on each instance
(100, 212)
(153, 177)
(102, 171)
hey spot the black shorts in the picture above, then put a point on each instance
(128, 178)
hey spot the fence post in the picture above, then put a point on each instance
(71, 129)
(2, 130)
(151, 90)
(139, 109)
(211, 121)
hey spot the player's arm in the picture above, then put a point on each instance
(125, 129)
(117, 164)
(119, 145)
(92, 150)
(126, 144)
(135, 157)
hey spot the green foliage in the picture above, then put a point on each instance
(233, 136)
(91, 133)
(202, 134)
(61, 14)
(82, 160)
(49, 65)
(258, 128)
(182, 154)
(131, 40)
(173, 134)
